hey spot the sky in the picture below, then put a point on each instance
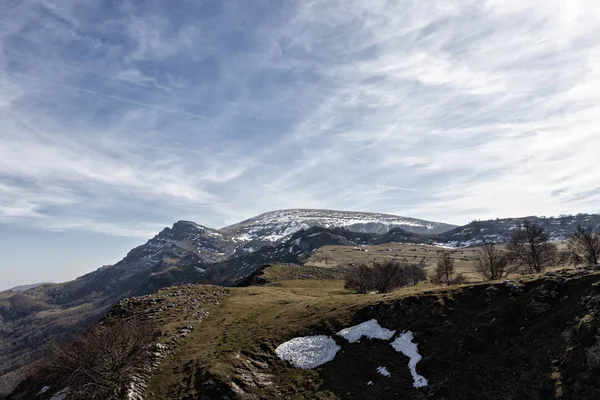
(118, 118)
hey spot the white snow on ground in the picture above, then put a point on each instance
(369, 383)
(62, 395)
(370, 329)
(404, 344)
(43, 390)
(308, 352)
(383, 371)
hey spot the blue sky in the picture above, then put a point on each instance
(118, 118)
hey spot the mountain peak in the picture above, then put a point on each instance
(187, 226)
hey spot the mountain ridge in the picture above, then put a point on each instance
(191, 253)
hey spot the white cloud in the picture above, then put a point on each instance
(445, 110)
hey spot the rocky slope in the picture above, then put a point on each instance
(279, 225)
(468, 342)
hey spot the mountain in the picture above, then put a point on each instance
(500, 230)
(186, 252)
(278, 225)
(191, 253)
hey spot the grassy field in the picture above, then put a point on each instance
(463, 331)
(235, 344)
(268, 314)
(340, 256)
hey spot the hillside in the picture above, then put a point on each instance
(191, 253)
(500, 230)
(475, 341)
(186, 252)
(22, 288)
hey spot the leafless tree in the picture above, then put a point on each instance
(492, 262)
(414, 273)
(383, 276)
(529, 247)
(359, 278)
(387, 276)
(444, 271)
(101, 362)
(584, 246)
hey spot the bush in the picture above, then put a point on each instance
(584, 247)
(359, 278)
(492, 263)
(383, 277)
(444, 270)
(101, 362)
(530, 248)
(415, 273)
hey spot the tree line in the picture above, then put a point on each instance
(529, 251)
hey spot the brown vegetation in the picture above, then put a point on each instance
(584, 247)
(492, 263)
(102, 362)
(444, 273)
(383, 277)
(530, 249)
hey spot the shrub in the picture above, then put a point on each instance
(444, 270)
(492, 263)
(383, 277)
(101, 362)
(359, 278)
(415, 273)
(530, 248)
(584, 247)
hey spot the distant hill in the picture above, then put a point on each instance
(23, 288)
(500, 230)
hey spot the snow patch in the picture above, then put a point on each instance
(308, 352)
(62, 395)
(404, 344)
(383, 371)
(370, 383)
(43, 390)
(370, 329)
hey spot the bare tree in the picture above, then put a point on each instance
(444, 271)
(529, 247)
(492, 262)
(388, 275)
(102, 362)
(414, 273)
(359, 278)
(584, 246)
(383, 276)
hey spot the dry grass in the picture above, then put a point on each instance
(267, 314)
(339, 256)
(336, 256)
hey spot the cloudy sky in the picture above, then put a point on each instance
(120, 117)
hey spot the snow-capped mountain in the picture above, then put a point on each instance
(279, 225)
